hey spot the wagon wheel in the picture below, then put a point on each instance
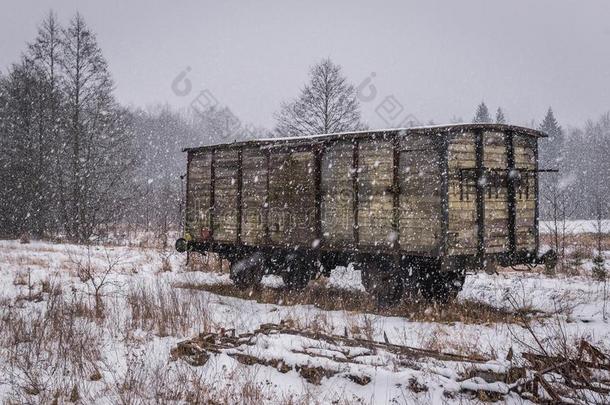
(248, 271)
(441, 286)
(298, 271)
(384, 284)
(412, 282)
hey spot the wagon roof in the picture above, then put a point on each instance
(423, 130)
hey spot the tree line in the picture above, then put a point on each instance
(73, 160)
(581, 157)
(75, 163)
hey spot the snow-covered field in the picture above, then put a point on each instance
(58, 342)
(576, 226)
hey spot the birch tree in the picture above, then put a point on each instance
(327, 104)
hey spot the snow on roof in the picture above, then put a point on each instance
(419, 129)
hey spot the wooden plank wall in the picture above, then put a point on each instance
(338, 172)
(198, 193)
(525, 158)
(420, 193)
(225, 195)
(462, 227)
(462, 189)
(496, 193)
(375, 202)
(279, 194)
(291, 197)
(254, 183)
(291, 194)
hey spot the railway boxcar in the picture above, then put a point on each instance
(413, 208)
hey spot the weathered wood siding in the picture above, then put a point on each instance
(462, 226)
(496, 194)
(291, 197)
(225, 195)
(337, 188)
(254, 196)
(375, 202)
(525, 162)
(420, 193)
(381, 192)
(198, 193)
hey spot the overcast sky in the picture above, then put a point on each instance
(438, 59)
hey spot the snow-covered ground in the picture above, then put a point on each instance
(576, 226)
(55, 342)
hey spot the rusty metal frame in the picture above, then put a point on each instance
(396, 190)
(212, 191)
(443, 165)
(537, 200)
(239, 195)
(318, 151)
(511, 180)
(480, 194)
(267, 207)
(355, 187)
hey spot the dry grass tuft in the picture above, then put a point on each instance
(21, 278)
(333, 299)
(166, 311)
(45, 344)
(209, 262)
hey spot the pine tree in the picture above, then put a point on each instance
(599, 263)
(482, 114)
(550, 148)
(500, 119)
(98, 137)
(43, 53)
(327, 104)
(23, 92)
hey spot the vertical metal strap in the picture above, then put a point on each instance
(240, 173)
(267, 207)
(536, 198)
(317, 179)
(355, 158)
(187, 203)
(511, 180)
(443, 165)
(396, 190)
(212, 190)
(480, 198)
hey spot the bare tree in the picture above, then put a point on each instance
(98, 136)
(327, 104)
(560, 206)
(599, 266)
(97, 278)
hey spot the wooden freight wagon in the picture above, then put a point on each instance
(413, 209)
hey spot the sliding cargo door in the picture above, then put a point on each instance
(375, 198)
(338, 173)
(495, 165)
(526, 193)
(462, 237)
(420, 193)
(292, 207)
(254, 195)
(224, 218)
